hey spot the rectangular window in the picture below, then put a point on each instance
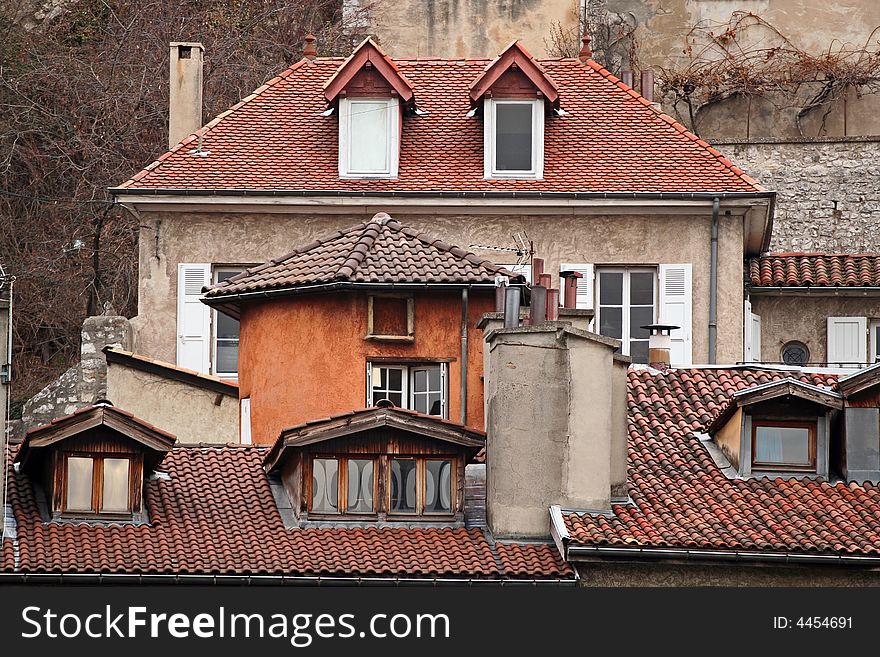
(438, 486)
(514, 138)
(420, 388)
(390, 317)
(784, 445)
(403, 486)
(369, 137)
(225, 334)
(627, 301)
(422, 486)
(343, 485)
(97, 484)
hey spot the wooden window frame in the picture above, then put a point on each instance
(410, 319)
(98, 484)
(342, 485)
(421, 486)
(762, 466)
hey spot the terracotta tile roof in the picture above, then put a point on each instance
(682, 500)
(814, 270)
(216, 515)
(611, 140)
(379, 251)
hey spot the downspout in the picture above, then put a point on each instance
(464, 353)
(713, 282)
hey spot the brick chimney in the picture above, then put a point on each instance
(185, 90)
(556, 407)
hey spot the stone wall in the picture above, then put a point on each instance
(86, 381)
(810, 177)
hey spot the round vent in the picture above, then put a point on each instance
(795, 353)
(385, 403)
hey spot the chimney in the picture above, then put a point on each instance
(659, 345)
(648, 85)
(309, 50)
(570, 288)
(585, 52)
(556, 423)
(627, 78)
(185, 90)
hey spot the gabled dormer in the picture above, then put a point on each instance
(782, 428)
(372, 97)
(91, 465)
(514, 94)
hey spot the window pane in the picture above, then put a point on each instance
(438, 486)
(513, 137)
(368, 137)
(611, 322)
(789, 445)
(114, 497)
(403, 486)
(611, 288)
(79, 484)
(360, 486)
(638, 351)
(639, 317)
(420, 380)
(227, 357)
(641, 289)
(395, 380)
(325, 485)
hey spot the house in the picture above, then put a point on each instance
(504, 157)
(815, 308)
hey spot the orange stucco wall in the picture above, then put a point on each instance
(302, 358)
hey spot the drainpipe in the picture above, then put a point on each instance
(464, 353)
(713, 282)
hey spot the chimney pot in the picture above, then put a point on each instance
(585, 53)
(538, 306)
(552, 304)
(570, 288)
(627, 78)
(648, 85)
(659, 344)
(537, 270)
(309, 50)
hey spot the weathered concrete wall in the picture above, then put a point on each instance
(305, 357)
(809, 177)
(193, 414)
(86, 381)
(463, 28)
(613, 239)
(786, 318)
(551, 419)
(662, 574)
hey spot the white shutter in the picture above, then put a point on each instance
(676, 301)
(369, 385)
(847, 341)
(444, 387)
(245, 431)
(585, 284)
(524, 269)
(193, 317)
(751, 334)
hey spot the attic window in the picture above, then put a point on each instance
(97, 484)
(783, 445)
(369, 137)
(514, 138)
(390, 317)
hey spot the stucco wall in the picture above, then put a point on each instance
(305, 357)
(463, 28)
(785, 318)
(193, 414)
(663, 574)
(171, 238)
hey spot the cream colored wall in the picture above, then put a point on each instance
(466, 28)
(193, 414)
(786, 318)
(729, 438)
(171, 238)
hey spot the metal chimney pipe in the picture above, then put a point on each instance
(511, 306)
(538, 306)
(648, 85)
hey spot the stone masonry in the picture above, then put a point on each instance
(85, 382)
(811, 178)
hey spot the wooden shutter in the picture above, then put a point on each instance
(193, 317)
(676, 302)
(847, 341)
(585, 284)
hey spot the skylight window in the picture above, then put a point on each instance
(514, 138)
(369, 137)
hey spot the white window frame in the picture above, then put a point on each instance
(215, 272)
(536, 171)
(625, 329)
(347, 106)
(874, 355)
(408, 397)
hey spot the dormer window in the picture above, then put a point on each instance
(97, 484)
(787, 446)
(369, 130)
(514, 138)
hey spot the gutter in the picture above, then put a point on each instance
(813, 290)
(464, 353)
(271, 580)
(713, 281)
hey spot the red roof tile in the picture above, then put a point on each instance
(379, 251)
(682, 500)
(611, 140)
(216, 515)
(814, 270)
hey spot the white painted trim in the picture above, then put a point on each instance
(245, 425)
(489, 170)
(392, 145)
